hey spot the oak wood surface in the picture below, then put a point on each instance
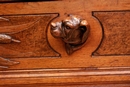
(79, 68)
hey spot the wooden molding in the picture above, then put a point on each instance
(66, 76)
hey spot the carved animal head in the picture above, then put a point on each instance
(73, 30)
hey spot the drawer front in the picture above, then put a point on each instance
(31, 54)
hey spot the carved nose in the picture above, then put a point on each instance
(53, 24)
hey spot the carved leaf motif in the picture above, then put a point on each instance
(4, 63)
(24, 36)
(31, 31)
(5, 39)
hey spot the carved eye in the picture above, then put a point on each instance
(67, 27)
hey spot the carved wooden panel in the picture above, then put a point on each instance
(31, 31)
(116, 32)
(39, 59)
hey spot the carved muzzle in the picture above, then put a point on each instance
(73, 31)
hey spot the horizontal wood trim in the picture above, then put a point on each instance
(64, 72)
(71, 85)
(66, 76)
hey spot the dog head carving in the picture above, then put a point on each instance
(73, 30)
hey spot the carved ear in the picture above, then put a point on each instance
(85, 29)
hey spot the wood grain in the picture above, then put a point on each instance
(116, 27)
(31, 31)
(79, 69)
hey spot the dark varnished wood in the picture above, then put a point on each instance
(73, 30)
